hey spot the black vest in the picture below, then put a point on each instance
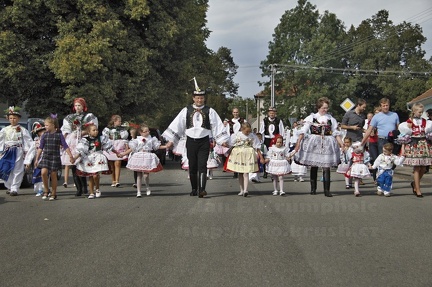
(204, 113)
(267, 123)
(231, 124)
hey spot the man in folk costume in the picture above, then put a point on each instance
(198, 122)
(235, 124)
(271, 126)
(15, 141)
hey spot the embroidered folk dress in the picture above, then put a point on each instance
(72, 127)
(92, 160)
(15, 141)
(118, 136)
(319, 146)
(358, 168)
(142, 158)
(243, 156)
(418, 152)
(278, 164)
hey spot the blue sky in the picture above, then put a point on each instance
(246, 27)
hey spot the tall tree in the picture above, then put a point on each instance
(135, 58)
(316, 57)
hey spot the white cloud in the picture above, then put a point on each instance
(246, 27)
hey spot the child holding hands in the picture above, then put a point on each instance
(92, 160)
(384, 163)
(243, 157)
(359, 167)
(50, 162)
(277, 163)
(142, 159)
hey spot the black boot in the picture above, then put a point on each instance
(84, 185)
(202, 185)
(194, 183)
(326, 182)
(313, 179)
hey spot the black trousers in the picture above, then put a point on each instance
(198, 152)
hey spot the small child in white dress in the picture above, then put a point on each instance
(212, 161)
(142, 159)
(92, 160)
(346, 154)
(277, 163)
(384, 163)
(359, 168)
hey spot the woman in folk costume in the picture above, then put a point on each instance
(92, 159)
(243, 156)
(15, 141)
(320, 148)
(118, 134)
(73, 130)
(417, 132)
(142, 158)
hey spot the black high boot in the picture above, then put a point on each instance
(193, 177)
(326, 182)
(84, 184)
(202, 184)
(313, 179)
(77, 182)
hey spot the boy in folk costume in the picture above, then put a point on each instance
(198, 122)
(15, 141)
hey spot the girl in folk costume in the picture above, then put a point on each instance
(320, 148)
(345, 156)
(277, 163)
(15, 141)
(255, 176)
(297, 170)
(73, 129)
(360, 166)
(50, 162)
(243, 157)
(92, 159)
(142, 158)
(213, 160)
(417, 146)
(38, 129)
(118, 134)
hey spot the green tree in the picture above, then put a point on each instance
(316, 57)
(134, 58)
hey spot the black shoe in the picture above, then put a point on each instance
(78, 193)
(328, 194)
(313, 192)
(413, 188)
(265, 175)
(193, 193)
(235, 175)
(202, 194)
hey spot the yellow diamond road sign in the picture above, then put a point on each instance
(347, 105)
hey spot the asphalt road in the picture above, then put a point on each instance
(173, 239)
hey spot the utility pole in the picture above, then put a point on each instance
(272, 83)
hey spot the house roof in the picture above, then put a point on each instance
(424, 96)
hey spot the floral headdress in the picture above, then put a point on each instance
(13, 110)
